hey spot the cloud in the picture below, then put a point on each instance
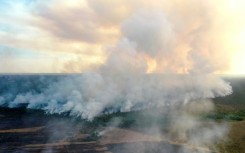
(75, 23)
(179, 31)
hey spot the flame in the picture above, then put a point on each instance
(151, 64)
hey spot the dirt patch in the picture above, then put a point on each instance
(117, 135)
(23, 130)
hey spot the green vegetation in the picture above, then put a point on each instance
(237, 115)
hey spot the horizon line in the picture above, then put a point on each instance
(59, 73)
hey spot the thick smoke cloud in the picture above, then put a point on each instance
(151, 31)
(91, 94)
(200, 30)
(182, 57)
(121, 83)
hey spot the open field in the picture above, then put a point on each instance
(25, 130)
(36, 135)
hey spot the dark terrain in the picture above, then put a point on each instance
(27, 131)
(24, 130)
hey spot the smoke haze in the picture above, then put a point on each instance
(73, 35)
(161, 56)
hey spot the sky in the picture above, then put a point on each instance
(60, 36)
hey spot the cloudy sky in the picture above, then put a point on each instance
(60, 36)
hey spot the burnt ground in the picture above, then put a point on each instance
(23, 131)
(30, 131)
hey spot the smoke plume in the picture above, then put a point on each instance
(157, 62)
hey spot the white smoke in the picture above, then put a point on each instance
(151, 31)
(90, 94)
(121, 83)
